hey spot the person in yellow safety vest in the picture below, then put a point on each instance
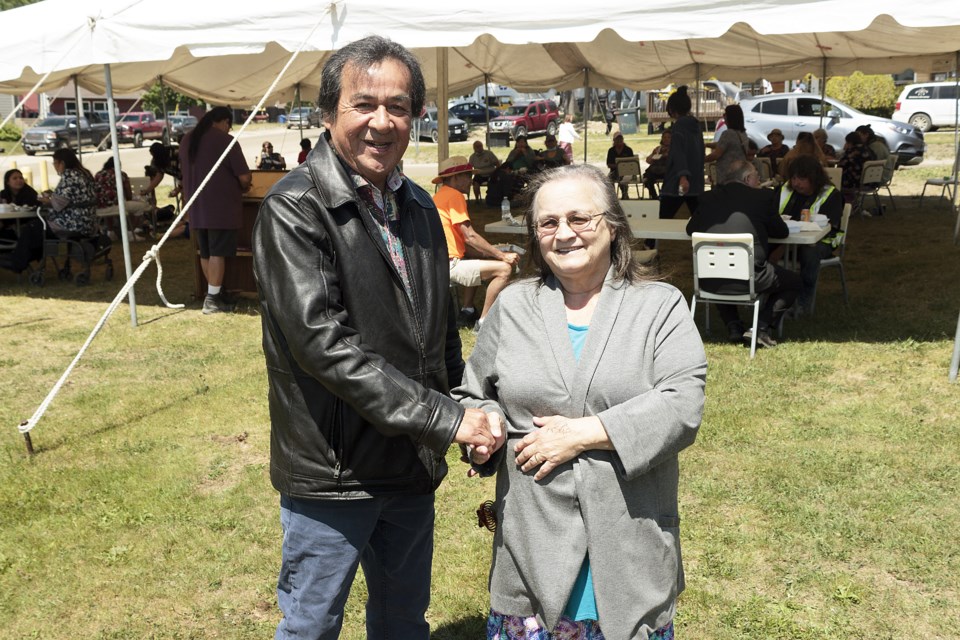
(808, 187)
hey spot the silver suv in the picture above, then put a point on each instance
(796, 112)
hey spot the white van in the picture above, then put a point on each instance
(928, 106)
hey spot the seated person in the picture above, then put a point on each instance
(808, 187)
(268, 160)
(553, 156)
(619, 150)
(851, 162)
(70, 212)
(305, 147)
(484, 262)
(164, 161)
(105, 183)
(503, 183)
(737, 205)
(775, 150)
(16, 192)
(806, 145)
(820, 136)
(484, 163)
(876, 147)
(522, 159)
(656, 169)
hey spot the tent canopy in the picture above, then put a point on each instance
(230, 52)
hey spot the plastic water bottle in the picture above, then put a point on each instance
(505, 211)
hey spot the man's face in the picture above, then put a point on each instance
(373, 120)
(477, 146)
(618, 143)
(665, 140)
(461, 182)
(803, 186)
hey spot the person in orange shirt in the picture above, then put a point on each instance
(472, 259)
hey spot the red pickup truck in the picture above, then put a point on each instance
(139, 125)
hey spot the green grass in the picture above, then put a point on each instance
(818, 501)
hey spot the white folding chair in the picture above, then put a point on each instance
(870, 181)
(728, 256)
(836, 260)
(889, 167)
(629, 171)
(836, 176)
(764, 168)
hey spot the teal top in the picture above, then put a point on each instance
(582, 604)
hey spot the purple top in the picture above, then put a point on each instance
(219, 205)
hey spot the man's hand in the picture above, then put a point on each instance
(478, 456)
(477, 432)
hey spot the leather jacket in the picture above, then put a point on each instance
(359, 373)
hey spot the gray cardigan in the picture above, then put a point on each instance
(642, 372)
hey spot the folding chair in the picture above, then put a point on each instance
(629, 171)
(947, 186)
(764, 169)
(889, 167)
(710, 171)
(836, 176)
(728, 256)
(870, 181)
(835, 260)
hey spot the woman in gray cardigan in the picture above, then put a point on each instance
(598, 374)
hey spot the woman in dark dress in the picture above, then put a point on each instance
(684, 180)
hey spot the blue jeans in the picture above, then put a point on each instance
(323, 543)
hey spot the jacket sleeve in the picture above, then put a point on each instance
(305, 315)
(657, 424)
(480, 377)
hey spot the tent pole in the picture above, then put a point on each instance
(163, 105)
(299, 104)
(486, 104)
(956, 145)
(443, 116)
(76, 93)
(117, 172)
(697, 91)
(583, 114)
(823, 88)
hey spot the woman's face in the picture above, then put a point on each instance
(15, 181)
(59, 166)
(573, 256)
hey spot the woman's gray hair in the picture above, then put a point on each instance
(625, 267)
(362, 55)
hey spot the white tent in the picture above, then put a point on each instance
(230, 52)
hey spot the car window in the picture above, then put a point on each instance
(516, 110)
(811, 107)
(948, 92)
(920, 93)
(775, 107)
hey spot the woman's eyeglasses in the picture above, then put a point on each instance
(576, 221)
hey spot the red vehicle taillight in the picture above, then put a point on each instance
(897, 108)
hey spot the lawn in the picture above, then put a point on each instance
(818, 501)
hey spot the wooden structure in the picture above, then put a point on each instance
(708, 106)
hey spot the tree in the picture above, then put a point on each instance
(153, 100)
(873, 94)
(13, 4)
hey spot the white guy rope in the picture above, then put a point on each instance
(153, 254)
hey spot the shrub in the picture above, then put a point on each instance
(873, 94)
(10, 132)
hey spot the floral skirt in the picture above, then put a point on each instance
(504, 627)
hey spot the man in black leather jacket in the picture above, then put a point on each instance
(361, 351)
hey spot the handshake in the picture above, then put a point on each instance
(481, 433)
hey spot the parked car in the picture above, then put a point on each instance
(928, 106)
(473, 112)
(426, 124)
(60, 132)
(137, 126)
(180, 126)
(796, 112)
(303, 117)
(539, 116)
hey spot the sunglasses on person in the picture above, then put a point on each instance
(576, 221)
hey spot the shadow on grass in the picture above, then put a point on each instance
(469, 628)
(106, 428)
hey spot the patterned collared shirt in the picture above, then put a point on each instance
(383, 208)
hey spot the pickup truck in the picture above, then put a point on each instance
(139, 125)
(60, 132)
